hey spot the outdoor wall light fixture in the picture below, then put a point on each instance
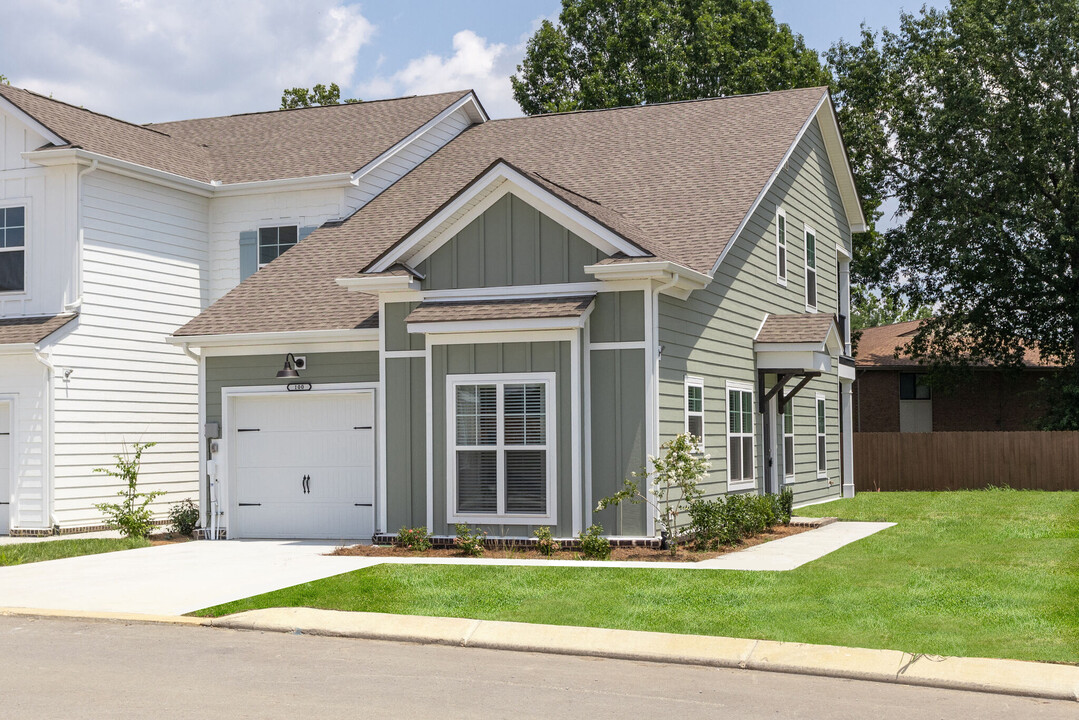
(288, 371)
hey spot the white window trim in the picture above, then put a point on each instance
(782, 269)
(258, 240)
(816, 272)
(24, 294)
(792, 435)
(697, 382)
(743, 387)
(817, 434)
(452, 516)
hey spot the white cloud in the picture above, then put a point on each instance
(150, 60)
(477, 64)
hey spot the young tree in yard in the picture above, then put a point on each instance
(609, 53)
(299, 97)
(967, 117)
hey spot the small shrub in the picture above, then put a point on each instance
(415, 539)
(132, 516)
(469, 541)
(184, 517)
(594, 545)
(786, 506)
(545, 543)
(712, 524)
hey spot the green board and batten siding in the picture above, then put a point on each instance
(710, 335)
(511, 243)
(253, 370)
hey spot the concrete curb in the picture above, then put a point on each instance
(104, 616)
(1007, 677)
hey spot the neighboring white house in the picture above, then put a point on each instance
(112, 235)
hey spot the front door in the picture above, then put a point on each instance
(773, 443)
(304, 466)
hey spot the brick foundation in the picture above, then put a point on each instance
(445, 541)
(77, 530)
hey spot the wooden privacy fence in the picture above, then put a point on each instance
(966, 460)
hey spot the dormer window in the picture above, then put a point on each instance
(274, 241)
(12, 249)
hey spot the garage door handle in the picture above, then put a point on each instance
(362, 427)
(362, 504)
(306, 484)
(247, 429)
(250, 504)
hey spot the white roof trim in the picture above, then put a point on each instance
(30, 121)
(422, 242)
(857, 221)
(379, 283)
(469, 102)
(832, 342)
(685, 279)
(502, 325)
(273, 338)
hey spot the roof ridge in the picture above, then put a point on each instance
(84, 109)
(460, 93)
(642, 106)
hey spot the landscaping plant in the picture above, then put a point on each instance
(786, 506)
(594, 545)
(673, 481)
(469, 541)
(415, 539)
(132, 515)
(545, 543)
(184, 517)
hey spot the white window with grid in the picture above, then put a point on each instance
(811, 269)
(12, 249)
(501, 459)
(741, 462)
(275, 241)
(695, 410)
(788, 440)
(781, 246)
(822, 438)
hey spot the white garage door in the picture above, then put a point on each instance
(5, 467)
(303, 466)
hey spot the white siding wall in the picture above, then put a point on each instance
(145, 274)
(22, 381)
(49, 197)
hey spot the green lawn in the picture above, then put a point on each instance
(56, 549)
(977, 573)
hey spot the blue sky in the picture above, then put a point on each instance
(154, 60)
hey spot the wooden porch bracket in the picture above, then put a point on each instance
(783, 377)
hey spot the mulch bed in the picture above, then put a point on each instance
(168, 538)
(639, 554)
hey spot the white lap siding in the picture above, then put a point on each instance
(145, 274)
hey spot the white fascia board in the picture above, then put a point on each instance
(795, 360)
(312, 182)
(857, 222)
(687, 280)
(66, 156)
(17, 348)
(452, 327)
(375, 284)
(844, 176)
(422, 242)
(30, 121)
(846, 373)
(469, 102)
(274, 338)
(767, 347)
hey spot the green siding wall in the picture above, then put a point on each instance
(511, 243)
(397, 335)
(406, 444)
(248, 370)
(618, 317)
(618, 432)
(710, 335)
(504, 358)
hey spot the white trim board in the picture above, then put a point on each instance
(490, 187)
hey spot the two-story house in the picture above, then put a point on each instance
(510, 329)
(112, 235)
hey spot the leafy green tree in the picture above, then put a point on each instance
(968, 115)
(610, 53)
(873, 309)
(320, 94)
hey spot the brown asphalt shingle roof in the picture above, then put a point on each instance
(877, 347)
(305, 142)
(27, 330)
(517, 309)
(683, 175)
(802, 328)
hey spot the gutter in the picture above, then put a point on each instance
(47, 436)
(81, 241)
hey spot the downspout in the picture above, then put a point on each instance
(47, 438)
(653, 396)
(81, 237)
(207, 465)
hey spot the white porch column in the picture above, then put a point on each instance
(846, 423)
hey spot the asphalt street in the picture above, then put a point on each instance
(55, 668)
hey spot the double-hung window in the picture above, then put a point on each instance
(811, 269)
(781, 246)
(788, 439)
(12, 249)
(912, 386)
(740, 460)
(274, 241)
(501, 458)
(822, 439)
(695, 410)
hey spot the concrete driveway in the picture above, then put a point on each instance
(170, 579)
